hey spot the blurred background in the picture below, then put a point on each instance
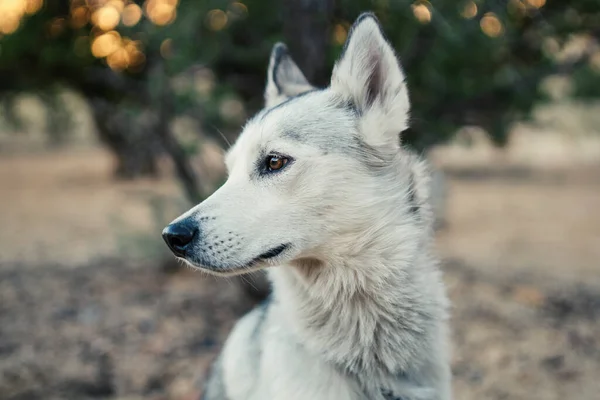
(114, 115)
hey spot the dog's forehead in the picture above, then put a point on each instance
(316, 118)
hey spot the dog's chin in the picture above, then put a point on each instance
(266, 259)
(226, 271)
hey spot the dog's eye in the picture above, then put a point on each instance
(275, 163)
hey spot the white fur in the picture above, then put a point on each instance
(358, 307)
(284, 78)
(369, 74)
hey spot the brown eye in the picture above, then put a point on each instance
(275, 163)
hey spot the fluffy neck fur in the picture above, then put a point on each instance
(374, 306)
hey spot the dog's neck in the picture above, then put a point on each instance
(376, 311)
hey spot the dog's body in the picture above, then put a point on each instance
(320, 189)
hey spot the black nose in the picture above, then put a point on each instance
(178, 236)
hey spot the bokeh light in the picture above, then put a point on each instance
(136, 57)
(131, 15)
(118, 60)
(118, 5)
(33, 6)
(9, 24)
(339, 34)
(216, 20)
(12, 11)
(516, 7)
(491, 25)
(16, 7)
(106, 44)
(536, 3)
(56, 26)
(166, 48)
(232, 109)
(121, 53)
(79, 17)
(103, 41)
(204, 81)
(161, 12)
(237, 10)
(422, 12)
(106, 18)
(470, 10)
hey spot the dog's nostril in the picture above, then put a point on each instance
(178, 236)
(178, 241)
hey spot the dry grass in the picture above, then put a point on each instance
(86, 311)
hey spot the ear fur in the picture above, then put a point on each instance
(369, 75)
(284, 77)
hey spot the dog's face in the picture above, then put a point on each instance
(302, 169)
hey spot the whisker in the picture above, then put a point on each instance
(223, 136)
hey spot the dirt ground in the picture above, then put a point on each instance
(88, 310)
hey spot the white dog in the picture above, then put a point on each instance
(320, 190)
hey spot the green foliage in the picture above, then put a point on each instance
(460, 74)
(586, 82)
(466, 62)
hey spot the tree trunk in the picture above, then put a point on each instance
(306, 29)
(163, 101)
(128, 137)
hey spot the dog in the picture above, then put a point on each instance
(321, 190)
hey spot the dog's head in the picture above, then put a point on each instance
(307, 170)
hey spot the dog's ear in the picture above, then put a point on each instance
(369, 76)
(284, 78)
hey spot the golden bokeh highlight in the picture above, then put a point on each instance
(516, 7)
(56, 26)
(135, 56)
(237, 9)
(166, 48)
(118, 5)
(120, 53)
(106, 18)
(470, 10)
(106, 44)
(13, 7)
(103, 41)
(118, 60)
(216, 19)
(137, 61)
(536, 3)
(33, 6)
(95, 32)
(80, 16)
(9, 24)
(491, 25)
(422, 12)
(339, 34)
(13, 11)
(161, 12)
(131, 15)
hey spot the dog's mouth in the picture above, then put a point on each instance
(274, 252)
(255, 264)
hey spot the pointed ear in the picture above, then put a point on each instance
(369, 75)
(284, 78)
